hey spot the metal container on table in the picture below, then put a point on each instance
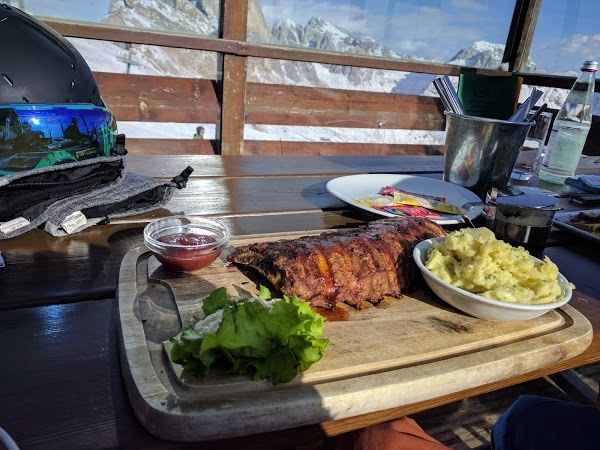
(520, 216)
(523, 219)
(481, 152)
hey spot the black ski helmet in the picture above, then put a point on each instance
(38, 65)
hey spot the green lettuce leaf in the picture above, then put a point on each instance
(272, 341)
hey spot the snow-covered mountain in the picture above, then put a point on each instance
(485, 55)
(196, 17)
(201, 17)
(321, 35)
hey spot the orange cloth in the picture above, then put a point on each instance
(400, 434)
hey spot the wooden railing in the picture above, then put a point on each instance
(231, 102)
(187, 100)
(143, 98)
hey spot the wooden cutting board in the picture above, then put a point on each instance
(408, 350)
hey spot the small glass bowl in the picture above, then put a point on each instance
(186, 243)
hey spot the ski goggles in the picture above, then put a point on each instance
(34, 136)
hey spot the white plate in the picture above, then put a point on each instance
(352, 187)
(562, 221)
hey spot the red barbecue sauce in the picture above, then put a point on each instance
(187, 259)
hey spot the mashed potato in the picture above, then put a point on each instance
(474, 260)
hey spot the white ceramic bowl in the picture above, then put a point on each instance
(478, 306)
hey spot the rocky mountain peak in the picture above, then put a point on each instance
(322, 35)
(258, 30)
(316, 22)
(486, 55)
(194, 16)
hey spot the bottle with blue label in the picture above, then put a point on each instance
(570, 129)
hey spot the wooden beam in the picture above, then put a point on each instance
(512, 40)
(230, 46)
(291, 148)
(141, 146)
(150, 98)
(233, 79)
(231, 133)
(114, 33)
(592, 143)
(137, 146)
(556, 81)
(298, 105)
(525, 36)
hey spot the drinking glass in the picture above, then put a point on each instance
(530, 156)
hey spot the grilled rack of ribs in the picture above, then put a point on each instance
(352, 266)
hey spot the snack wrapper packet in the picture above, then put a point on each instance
(386, 204)
(424, 202)
(389, 190)
(409, 211)
(376, 201)
(393, 198)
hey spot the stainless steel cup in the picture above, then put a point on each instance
(481, 152)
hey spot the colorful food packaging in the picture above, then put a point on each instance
(403, 203)
(409, 211)
(389, 190)
(424, 202)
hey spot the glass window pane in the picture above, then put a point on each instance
(177, 16)
(566, 34)
(329, 126)
(464, 32)
(296, 73)
(142, 59)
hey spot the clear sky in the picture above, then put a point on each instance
(567, 32)
(87, 10)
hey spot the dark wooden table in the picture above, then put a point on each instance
(61, 383)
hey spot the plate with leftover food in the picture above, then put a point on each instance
(585, 223)
(392, 195)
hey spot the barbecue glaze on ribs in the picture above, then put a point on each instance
(352, 266)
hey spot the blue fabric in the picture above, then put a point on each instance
(534, 422)
(588, 183)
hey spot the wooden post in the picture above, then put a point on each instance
(520, 35)
(232, 79)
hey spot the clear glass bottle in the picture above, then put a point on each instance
(570, 129)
